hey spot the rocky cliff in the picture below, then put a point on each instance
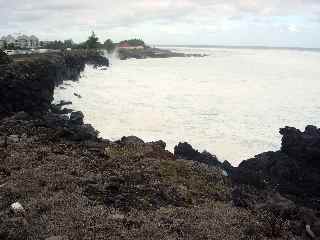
(27, 83)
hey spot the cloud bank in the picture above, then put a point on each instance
(227, 22)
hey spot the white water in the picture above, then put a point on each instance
(231, 103)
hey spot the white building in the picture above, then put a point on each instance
(21, 41)
(34, 41)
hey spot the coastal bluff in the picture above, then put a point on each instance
(27, 82)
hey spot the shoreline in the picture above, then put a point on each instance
(124, 174)
(149, 52)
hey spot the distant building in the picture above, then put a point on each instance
(34, 42)
(9, 40)
(21, 41)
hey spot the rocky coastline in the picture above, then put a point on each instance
(149, 52)
(59, 180)
(27, 83)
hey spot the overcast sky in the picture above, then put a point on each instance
(212, 22)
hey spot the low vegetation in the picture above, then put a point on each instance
(97, 189)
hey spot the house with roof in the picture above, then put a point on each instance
(34, 41)
(22, 41)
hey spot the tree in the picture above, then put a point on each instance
(92, 42)
(68, 43)
(57, 44)
(5, 45)
(134, 42)
(11, 46)
(109, 45)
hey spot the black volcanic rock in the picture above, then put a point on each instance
(148, 52)
(293, 171)
(52, 120)
(63, 103)
(77, 95)
(27, 84)
(302, 145)
(186, 151)
(76, 118)
(131, 140)
(82, 132)
(4, 58)
(55, 108)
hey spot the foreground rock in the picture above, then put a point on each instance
(186, 151)
(92, 188)
(285, 183)
(293, 171)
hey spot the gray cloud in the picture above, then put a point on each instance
(75, 18)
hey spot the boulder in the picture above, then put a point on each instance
(131, 140)
(161, 144)
(82, 132)
(293, 171)
(186, 151)
(304, 146)
(52, 120)
(76, 118)
(77, 95)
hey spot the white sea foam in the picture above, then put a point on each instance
(231, 103)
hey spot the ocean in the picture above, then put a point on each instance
(231, 103)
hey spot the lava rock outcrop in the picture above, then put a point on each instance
(186, 151)
(293, 171)
(27, 84)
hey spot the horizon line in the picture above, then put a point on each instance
(237, 46)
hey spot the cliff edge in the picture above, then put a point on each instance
(27, 82)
